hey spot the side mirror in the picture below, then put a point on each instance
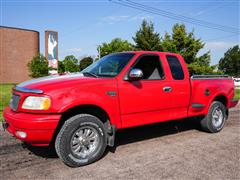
(135, 74)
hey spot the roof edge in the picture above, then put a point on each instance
(8, 27)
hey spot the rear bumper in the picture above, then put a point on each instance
(39, 128)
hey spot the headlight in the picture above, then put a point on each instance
(36, 103)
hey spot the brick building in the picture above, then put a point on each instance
(17, 47)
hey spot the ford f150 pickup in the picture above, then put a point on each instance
(80, 113)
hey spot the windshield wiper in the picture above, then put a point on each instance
(89, 73)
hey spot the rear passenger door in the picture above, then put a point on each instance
(180, 85)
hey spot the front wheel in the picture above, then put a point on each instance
(81, 141)
(215, 119)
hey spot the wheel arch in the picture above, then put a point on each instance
(84, 109)
(223, 99)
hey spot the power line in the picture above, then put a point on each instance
(181, 17)
(185, 17)
(171, 15)
(166, 15)
(222, 37)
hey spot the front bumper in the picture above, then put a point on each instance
(39, 128)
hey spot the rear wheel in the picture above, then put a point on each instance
(81, 141)
(215, 119)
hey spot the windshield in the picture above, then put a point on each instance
(108, 66)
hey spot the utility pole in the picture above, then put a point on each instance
(99, 52)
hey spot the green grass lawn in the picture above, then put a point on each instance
(5, 95)
(237, 94)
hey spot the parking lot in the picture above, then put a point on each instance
(173, 150)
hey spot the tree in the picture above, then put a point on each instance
(116, 45)
(71, 64)
(230, 63)
(61, 67)
(146, 38)
(196, 68)
(38, 66)
(186, 44)
(85, 62)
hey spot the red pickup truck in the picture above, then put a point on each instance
(80, 113)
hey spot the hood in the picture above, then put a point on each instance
(55, 82)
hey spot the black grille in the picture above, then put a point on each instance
(14, 102)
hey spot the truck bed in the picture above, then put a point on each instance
(206, 88)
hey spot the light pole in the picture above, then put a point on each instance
(99, 52)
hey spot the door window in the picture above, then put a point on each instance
(150, 66)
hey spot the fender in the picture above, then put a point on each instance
(109, 105)
(212, 99)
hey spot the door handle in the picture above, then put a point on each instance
(167, 89)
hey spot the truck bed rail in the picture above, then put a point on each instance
(211, 77)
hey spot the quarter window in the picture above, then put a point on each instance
(175, 67)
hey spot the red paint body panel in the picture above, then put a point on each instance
(39, 127)
(217, 87)
(135, 104)
(143, 102)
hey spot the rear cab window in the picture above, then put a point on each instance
(175, 67)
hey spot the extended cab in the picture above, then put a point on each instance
(80, 113)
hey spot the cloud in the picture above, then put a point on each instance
(200, 13)
(74, 50)
(121, 18)
(219, 45)
(140, 17)
(208, 10)
(114, 19)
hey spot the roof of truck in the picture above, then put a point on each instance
(149, 52)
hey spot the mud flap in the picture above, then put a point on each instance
(4, 125)
(111, 137)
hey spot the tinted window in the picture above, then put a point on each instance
(176, 68)
(150, 66)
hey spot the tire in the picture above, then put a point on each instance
(82, 140)
(214, 121)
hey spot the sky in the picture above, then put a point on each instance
(82, 25)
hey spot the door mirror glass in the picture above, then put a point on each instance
(135, 74)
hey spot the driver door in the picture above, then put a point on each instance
(145, 101)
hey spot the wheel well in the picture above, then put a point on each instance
(222, 99)
(87, 109)
(83, 109)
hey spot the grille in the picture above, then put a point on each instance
(14, 102)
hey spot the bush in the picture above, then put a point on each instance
(85, 62)
(38, 66)
(70, 64)
(230, 63)
(196, 68)
(61, 67)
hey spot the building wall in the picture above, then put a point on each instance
(17, 47)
